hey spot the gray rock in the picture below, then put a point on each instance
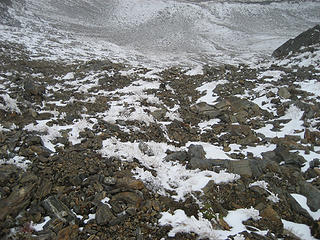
(312, 194)
(33, 89)
(58, 209)
(284, 93)
(197, 157)
(104, 215)
(159, 114)
(196, 151)
(206, 109)
(180, 156)
(145, 149)
(247, 167)
(289, 157)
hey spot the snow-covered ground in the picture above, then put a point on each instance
(157, 34)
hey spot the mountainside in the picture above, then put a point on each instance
(103, 149)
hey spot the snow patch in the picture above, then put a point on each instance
(10, 104)
(302, 200)
(302, 231)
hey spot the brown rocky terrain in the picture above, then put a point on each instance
(66, 132)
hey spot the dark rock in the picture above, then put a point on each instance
(33, 89)
(181, 156)
(305, 39)
(129, 198)
(7, 171)
(17, 201)
(44, 189)
(104, 215)
(289, 157)
(312, 194)
(58, 209)
(68, 233)
(315, 229)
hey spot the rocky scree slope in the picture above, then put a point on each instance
(100, 150)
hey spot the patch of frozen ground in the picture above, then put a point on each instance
(310, 86)
(208, 88)
(10, 104)
(293, 127)
(50, 133)
(271, 75)
(302, 231)
(180, 222)
(302, 200)
(19, 161)
(302, 60)
(171, 176)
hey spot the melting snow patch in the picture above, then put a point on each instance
(302, 200)
(208, 88)
(68, 76)
(90, 217)
(171, 176)
(19, 161)
(39, 226)
(311, 86)
(180, 222)
(264, 185)
(300, 230)
(271, 75)
(10, 104)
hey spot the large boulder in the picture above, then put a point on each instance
(305, 39)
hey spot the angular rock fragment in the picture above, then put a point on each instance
(104, 215)
(17, 201)
(58, 209)
(312, 194)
